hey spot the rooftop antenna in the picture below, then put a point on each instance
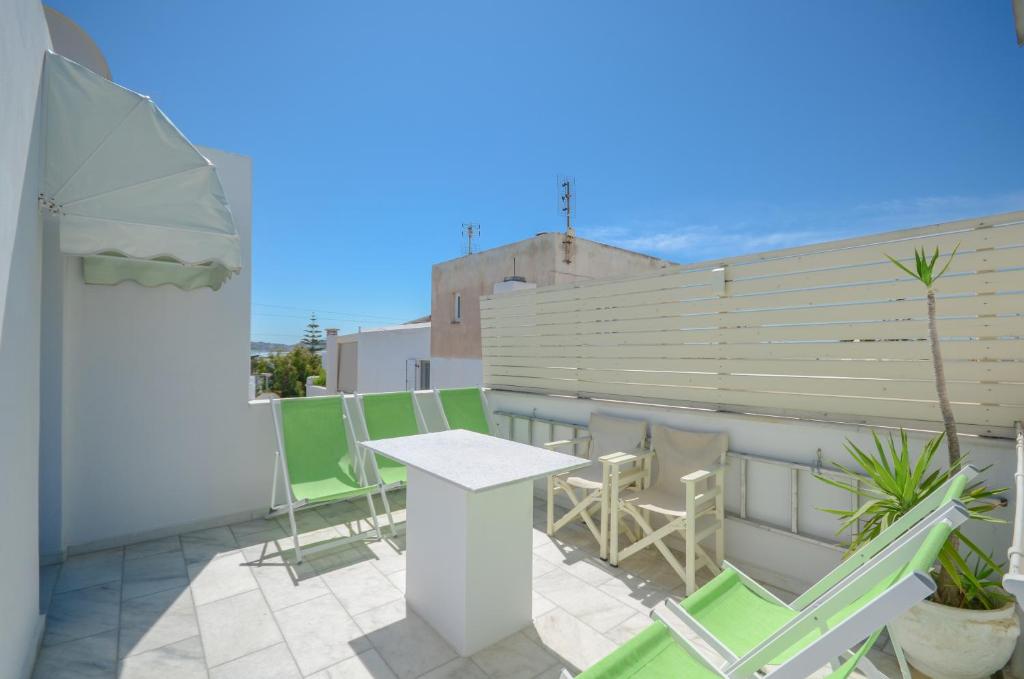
(469, 232)
(570, 233)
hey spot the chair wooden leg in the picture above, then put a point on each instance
(691, 541)
(551, 505)
(613, 519)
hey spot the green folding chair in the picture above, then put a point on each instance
(465, 409)
(316, 465)
(732, 612)
(753, 633)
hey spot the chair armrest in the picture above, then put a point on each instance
(701, 474)
(567, 442)
(619, 459)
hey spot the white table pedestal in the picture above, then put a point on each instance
(469, 559)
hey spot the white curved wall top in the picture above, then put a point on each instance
(69, 40)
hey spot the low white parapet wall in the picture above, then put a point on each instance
(764, 539)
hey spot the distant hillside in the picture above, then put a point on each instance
(267, 347)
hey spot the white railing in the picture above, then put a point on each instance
(515, 422)
(1014, 580)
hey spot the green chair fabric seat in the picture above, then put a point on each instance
(742, 620)
(464, 409)
(317, 464)
(742, 625)
(386, 416)
(320, 467)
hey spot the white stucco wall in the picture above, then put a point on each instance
(446, 373)
(383, 353)
(23, 41)
(783, 560)
(158, 432)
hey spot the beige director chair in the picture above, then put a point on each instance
(682, 497)
(585, 488)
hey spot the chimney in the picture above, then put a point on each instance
(331, 332)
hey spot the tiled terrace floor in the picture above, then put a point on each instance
(202, 605)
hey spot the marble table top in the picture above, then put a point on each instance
(473, 461)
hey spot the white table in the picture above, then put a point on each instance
(469, 517)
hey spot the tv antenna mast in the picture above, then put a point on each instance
(567, 206)
(469, 232)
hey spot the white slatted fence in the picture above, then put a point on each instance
(830, 331)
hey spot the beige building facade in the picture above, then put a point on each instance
(458, 284)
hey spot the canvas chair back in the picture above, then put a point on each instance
(609, 434)
(313, 436)
(679, 452)
(465, 409)
(390, 415)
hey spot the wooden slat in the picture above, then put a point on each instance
(975, 305)
(956, 371)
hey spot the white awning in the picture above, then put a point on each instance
(127, 186)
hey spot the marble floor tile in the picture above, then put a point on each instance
(629, 628)
(140, 550)
(155, 620)
(368, 665)
(275, 662)
(406, 642)
(577, 645)
(155, 573)
(592, 606)
(82, 613)
(320, 633)
(94, 657)
(47, 583)
(398, 580)
(515, 657)
(237, 626)
(87, 570)
(220, 577)
(389, 553)
(361, 587)
(181, 660)
(203, 545)
(460, 668)
(285, 583)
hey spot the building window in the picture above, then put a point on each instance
(457, 308)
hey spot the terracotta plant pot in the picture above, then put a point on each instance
(954, 643)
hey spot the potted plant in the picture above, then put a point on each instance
(969, 628)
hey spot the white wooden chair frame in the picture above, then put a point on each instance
(582, 506)
(834, 642)
(293, 504)
(699, 501)
(491, 426)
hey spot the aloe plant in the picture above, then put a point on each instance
(891, 484)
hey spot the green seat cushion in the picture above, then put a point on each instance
(464, 409)
(651, 654)
(316, 450)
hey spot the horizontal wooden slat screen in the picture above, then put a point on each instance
(828, 331)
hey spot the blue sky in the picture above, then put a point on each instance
(694, 130)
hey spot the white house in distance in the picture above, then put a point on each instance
(391, 358)
(546, 259)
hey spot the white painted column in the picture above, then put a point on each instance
(469, 559)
